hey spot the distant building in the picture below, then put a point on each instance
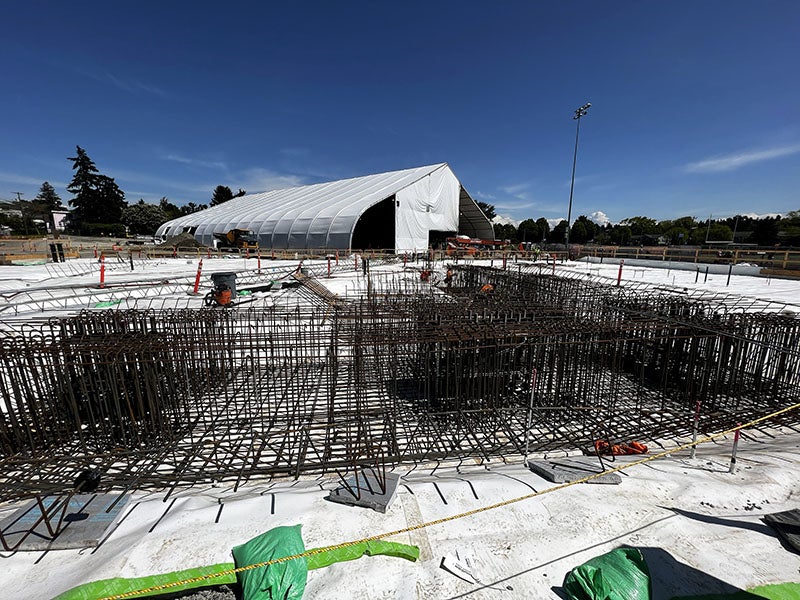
(59, 218)
(404, 211)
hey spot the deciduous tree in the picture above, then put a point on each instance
(143, 219)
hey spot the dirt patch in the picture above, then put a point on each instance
(183, 240)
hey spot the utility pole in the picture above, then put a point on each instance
(580, 112)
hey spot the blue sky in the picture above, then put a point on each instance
(694, 104)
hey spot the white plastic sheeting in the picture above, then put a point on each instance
(430, 204)
(324, 215)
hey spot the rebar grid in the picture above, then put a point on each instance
(404, 374)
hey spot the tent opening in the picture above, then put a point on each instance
(438, 239)
(375, 228)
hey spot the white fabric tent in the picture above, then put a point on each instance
(326, 215)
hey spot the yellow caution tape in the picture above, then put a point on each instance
(462, 515)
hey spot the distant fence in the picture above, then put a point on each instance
(27, 250)
(770, 260)
(766, 258)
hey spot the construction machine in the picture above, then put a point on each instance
(224, 291)
(466, 246)
(237, 238)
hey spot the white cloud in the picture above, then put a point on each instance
(554, 222)
(517, 191)
(505, 220)
(482, 196)
(599, 217)
(29, 186)
(133, 86)
(145, 180)
(762, 216)
(294, 152)
(23, 179)
(252, 180)
(731, 162)
(195, 162)
(263, 180)
(514, 205)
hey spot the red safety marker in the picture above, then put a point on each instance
(197, 277)
(174, 252)
(355, 257)
(329, 267)
(735, 446)
(208, 254)
(619, 275)
(95, 251)
(405, 258)
(337, 258)
(102, 270)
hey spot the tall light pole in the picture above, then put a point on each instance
(580, 112)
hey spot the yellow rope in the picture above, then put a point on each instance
(462, 515)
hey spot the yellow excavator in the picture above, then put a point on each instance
(237, 238)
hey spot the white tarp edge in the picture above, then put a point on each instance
(429, 204)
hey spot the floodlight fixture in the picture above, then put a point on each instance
(579, 112)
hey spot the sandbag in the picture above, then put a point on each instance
(282, 581)
(621, 574)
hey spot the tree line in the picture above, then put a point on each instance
(98, 206)
(644, 231)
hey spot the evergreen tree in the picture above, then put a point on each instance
(111, 201)
(488, 210)
(171, 210)
(191, 207)
(222, 193)
(84, 187)
(45, 203)
(97, 199)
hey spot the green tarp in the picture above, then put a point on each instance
(121, 585)
(284, 580)
(621, 574)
